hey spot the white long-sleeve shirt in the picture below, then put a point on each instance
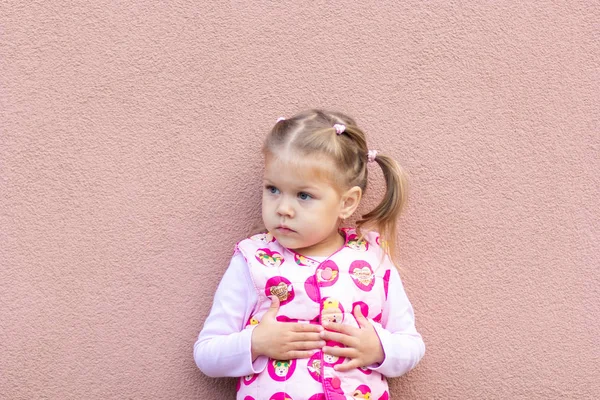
(223, 347)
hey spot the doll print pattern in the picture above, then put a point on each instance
(269, 258)
(362, 275)
(281, 370)
(280, 287)
(305, 261)
(362, 392)
(327, 273)
(314, 366)
(332, 311)
(281, 396)
(356, 243)
(263, 237)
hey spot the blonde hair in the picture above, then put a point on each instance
(312, 133)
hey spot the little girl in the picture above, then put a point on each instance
(308, 310)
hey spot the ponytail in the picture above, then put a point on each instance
(385, 215)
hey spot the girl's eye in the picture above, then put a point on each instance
(272, 189)
(304, 196)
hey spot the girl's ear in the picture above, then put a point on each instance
(350, 201)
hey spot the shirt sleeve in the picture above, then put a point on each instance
(402, 344)
(223, 347)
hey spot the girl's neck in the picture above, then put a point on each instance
(325, 249)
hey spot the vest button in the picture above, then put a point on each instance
(336, 383)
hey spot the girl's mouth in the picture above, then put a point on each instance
(284, 229)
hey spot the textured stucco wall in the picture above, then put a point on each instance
(129, 167)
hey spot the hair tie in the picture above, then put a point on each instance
(280, 119)
(339, 128)
(371, 155)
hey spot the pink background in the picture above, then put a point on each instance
(129, 167)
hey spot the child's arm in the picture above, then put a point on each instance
(223, 347)
(401, 343)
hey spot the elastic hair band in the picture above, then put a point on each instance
(371, 155)
(280, 119)
(339, 128)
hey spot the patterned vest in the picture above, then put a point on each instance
(310, 292)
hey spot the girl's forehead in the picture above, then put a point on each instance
(315, 168)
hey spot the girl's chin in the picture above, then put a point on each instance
(296, 243)
(288, 241)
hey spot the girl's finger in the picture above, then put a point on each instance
(309, 345)
(304, 337)
(360, 318)
(273, 308)
(347, 340)
(346, 352)
(347, 366)
(334, 326)
(296, 327)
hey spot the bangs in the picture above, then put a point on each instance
(312, 166)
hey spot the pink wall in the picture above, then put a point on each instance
(129, 166)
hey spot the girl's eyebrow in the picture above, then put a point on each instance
(300, 187)
(309, 188)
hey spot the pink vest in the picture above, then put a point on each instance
(311, 292)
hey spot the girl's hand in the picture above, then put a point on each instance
(284, 340)
(362, 344)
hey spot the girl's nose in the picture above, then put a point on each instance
(285, 209)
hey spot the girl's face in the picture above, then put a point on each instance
(300, 207)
